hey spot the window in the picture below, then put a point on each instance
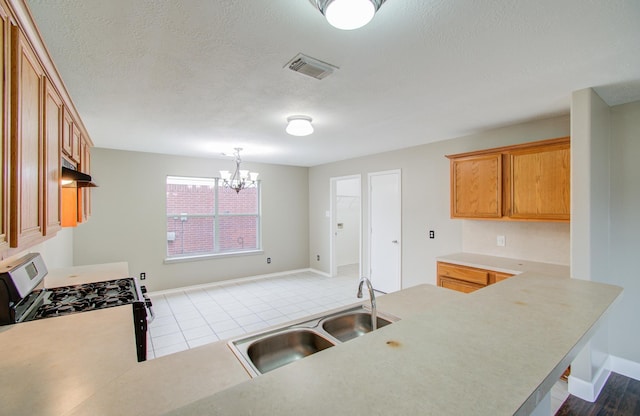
(204, 218)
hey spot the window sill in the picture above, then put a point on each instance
(170, 260)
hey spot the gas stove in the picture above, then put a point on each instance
(65, 300)
(21, 302)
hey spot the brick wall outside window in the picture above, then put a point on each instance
(191, 220)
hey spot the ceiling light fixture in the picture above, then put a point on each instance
(241, 178)
(299, 125)
(348, 14)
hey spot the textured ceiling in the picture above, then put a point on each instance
(200, 77)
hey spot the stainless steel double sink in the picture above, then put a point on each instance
(266, 351)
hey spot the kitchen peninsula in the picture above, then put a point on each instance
(496, 351)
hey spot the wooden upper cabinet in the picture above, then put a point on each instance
(476, 186)
(4, 128)
(526, 182)
(540, 182)
(53, 116)
(27, 147)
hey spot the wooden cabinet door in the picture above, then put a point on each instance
(76, 144)
(84, 193)
(67, 136)
(26, 144)
(53, 116)
(4, 130)
(476, 186)
(540, 183)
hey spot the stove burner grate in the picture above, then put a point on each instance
(86, 297)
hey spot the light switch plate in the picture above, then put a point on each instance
(501, 241)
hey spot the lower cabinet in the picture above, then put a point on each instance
(467, 279)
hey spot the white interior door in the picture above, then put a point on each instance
(385, 228)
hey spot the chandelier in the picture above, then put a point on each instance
(241, 178)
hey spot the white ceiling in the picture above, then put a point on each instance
(200, 77)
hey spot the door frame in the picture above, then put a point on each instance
(370, 207)
(333, 219)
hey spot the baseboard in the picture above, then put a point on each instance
(625, 367)
(232, 281)
(589, 390)
(319, 272)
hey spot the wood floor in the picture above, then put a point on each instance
(619, 397)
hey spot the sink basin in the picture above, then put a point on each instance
(273, 348)
(351, 325)
(282, 348)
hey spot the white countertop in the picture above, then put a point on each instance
(485, 353)
(76, 275)
(51, 365)
(505, 264)
(494, 352)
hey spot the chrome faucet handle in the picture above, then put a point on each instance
(372, 299)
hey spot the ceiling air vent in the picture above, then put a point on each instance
(311, 67)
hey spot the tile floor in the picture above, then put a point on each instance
(188, 318)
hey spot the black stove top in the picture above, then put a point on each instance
(81, 298)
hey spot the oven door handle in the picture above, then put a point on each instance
(149, 306)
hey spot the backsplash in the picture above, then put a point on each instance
(535, 241)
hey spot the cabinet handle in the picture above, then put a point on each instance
(395, 241)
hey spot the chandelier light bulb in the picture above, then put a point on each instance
(299, 126)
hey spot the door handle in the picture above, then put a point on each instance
(395, 241)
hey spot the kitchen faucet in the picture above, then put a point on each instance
(372, 298)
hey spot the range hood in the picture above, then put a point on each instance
(82, 180)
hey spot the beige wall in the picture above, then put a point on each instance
(548, 242)
(624, 246)
(129, 219)
(425, 198)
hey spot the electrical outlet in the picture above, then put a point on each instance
(318, 257)
(501, 241)
(432, 234)
(143, 276)
(268, 260)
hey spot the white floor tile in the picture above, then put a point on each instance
(157, 331)
(217, 317)
(167, 340)
(186, 324)
(255, 327)
(171, 349)
(232, 333)
(224, 326)
(202, 340)
(197, 332)
(270, 314)
(163, 320)
(248, 320)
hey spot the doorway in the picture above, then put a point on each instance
(385, 229)
(346, 226)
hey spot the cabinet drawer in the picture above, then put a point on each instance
(500, 276)
(468, 274)
(458, 285)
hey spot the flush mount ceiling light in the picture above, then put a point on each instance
(299, 125)
(348, 14)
